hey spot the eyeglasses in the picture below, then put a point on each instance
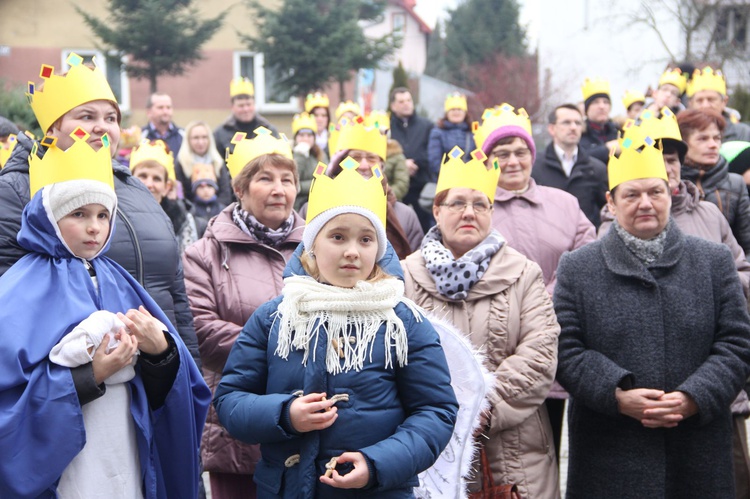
(460, 206)
(503, 156)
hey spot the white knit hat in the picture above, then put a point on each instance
(317, 223)
(64, 197)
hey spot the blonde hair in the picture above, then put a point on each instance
(311, 267)
(185, 154)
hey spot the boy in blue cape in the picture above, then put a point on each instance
(67, 432)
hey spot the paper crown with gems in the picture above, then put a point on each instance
(79, 161)
(638, 159)
(241, 86)
(631, 97)
(594, 86)
(378, 119)
(651, 124)
(454, 172)
(347, 107)
(349, 188)
(6, 149)
(455, 101)
(59, 94)
(153, 151)
(674, 77)
(316, 100)
(707, 79)
(303, 121)
(246, 150)
(355, 134)
(500, 116)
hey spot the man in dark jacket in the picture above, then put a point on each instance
(569, 167)
(160, 125)
(244, 116)
(143, 243)
(413, 133)
(708, 90)
(601, 132)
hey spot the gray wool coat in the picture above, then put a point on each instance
(680, 324)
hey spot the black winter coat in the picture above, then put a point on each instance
(143, 243)
(727, 191)
(414, 135)
(595, 137)
(224, 133)
(680, 324)
(587, 181)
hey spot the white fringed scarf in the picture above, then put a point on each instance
(351, 317)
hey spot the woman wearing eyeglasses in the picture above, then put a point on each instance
(466, 272)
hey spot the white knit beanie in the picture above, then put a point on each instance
(64, 197)
(317, 223)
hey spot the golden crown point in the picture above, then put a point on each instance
(6, 149)
(594, 86)
(674, 77)
(349, 188)
(61, 93)
(303, 121)
(241, 86)
(79, 162)
(473, 174)
(637, 160)
(317, 99)
(455, 101)
(707, 79)
(355, 134)
(203, 171)
(347, 106)
(498, 117)
(246, 150)
(631, 97)
(378, 119)
(154, 151)
(661, 125)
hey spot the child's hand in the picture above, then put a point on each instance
(312, 412)
(146, 330)
(355, 479)
(106, 364)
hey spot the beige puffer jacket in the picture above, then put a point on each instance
(228, 274)
(509, 313)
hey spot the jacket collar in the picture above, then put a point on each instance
(532, 194)
(223, 229)
(707, 179)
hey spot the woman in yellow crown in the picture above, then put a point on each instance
(654, 346)
(341, 379)
(466, 272)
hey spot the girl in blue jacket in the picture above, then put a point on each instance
(341, 379)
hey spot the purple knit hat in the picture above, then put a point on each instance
(509, 131)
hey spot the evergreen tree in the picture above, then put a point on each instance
(162, 37)
(15, 106)
(313, 42)
(436, 55)
(400, 78)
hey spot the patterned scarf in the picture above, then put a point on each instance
(350, 318)
(455, 277)
(250, 226)
(646, 250)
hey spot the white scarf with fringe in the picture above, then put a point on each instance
(351, 318)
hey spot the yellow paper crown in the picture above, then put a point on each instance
(648, 124)
(472, 174)
(378, 119)
(455, 101)
(674, 77)
(354, 134)
(316, 100)
(6, 149)
(241, 86)
(594, 86)
(153, 151)
(303, 121)
(79, 161)
(498, 117)
(347, 106)
(60, 94)
(631, 97)
(638, 159)
(708, 79)
(246, 150)
(349, 188)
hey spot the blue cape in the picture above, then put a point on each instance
(44, 295)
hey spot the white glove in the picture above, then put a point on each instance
(302, 148)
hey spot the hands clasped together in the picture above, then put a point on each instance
(656, 408)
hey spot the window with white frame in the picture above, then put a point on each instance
(113, 68)
(731, 26)
(399, 22)
(268, 96)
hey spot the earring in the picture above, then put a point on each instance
(311, 254)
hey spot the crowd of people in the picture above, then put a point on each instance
(305, 286)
